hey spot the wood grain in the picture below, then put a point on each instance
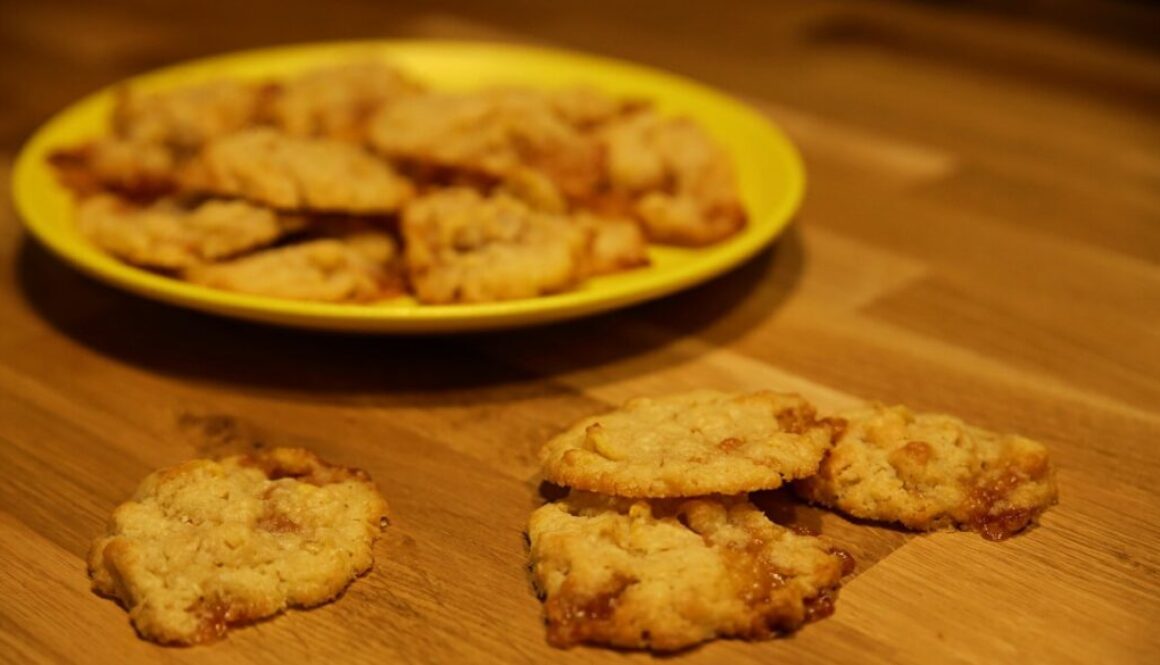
(981, 237)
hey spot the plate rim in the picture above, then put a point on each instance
(731, 254)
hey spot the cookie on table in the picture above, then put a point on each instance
(355, 267)
(702, 442)
(683, 183)
(294, 173)
(667, 574)
(169, 235)
(464, 247)
(933, 471)
(206, 546)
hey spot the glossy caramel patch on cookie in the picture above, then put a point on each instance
(931, 471)
(691, 444)
(207, 545)
(667, 574)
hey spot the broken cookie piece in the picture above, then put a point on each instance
(668, 574)
(206, 546)
(933, 471)
(703, 442)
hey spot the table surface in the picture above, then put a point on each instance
(980, 237)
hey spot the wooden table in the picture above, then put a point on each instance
(980, 237)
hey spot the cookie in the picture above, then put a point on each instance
(667, 574)
(137, 170)
(293, 173)
(932, 471)
(184, 119)
(703, 442)
(337, 102)
(169, 235)
(358, 267)
(683, 183)
(463, 247)
(206, 546)
(494, 133)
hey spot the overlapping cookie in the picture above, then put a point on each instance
(668, 574)
(691, 444)
(931, 471)
(206, 546)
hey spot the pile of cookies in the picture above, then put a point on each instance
(657, 545)
(355, 183)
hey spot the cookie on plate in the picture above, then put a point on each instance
(295, 173)
(170, 235)
(932, 471)
(337, 101)
(683, 183)
(703, 442)
(464, 247)
(667, 574)
(355, 267)
(206, 546)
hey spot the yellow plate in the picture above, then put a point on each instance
(770, 171)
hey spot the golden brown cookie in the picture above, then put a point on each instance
(293, 173)
(683, 182)
(337, 102)
(495, 133)
(463, 247)
(702, 442)
(184, 119)
(667, 574)
(932, 471)
(170, 235)
(206, 546)
(357, 267)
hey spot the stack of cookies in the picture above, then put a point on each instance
(658, 546)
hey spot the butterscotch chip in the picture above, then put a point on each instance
(169, 235)
(931, 471)
(683, 182)
(294, 173)
(338, 102)
(357, 267)
(206, 546)
(667, 574)
(696, 443)
(462, 247)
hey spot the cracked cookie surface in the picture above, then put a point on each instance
(703, 442)
(206, 545)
